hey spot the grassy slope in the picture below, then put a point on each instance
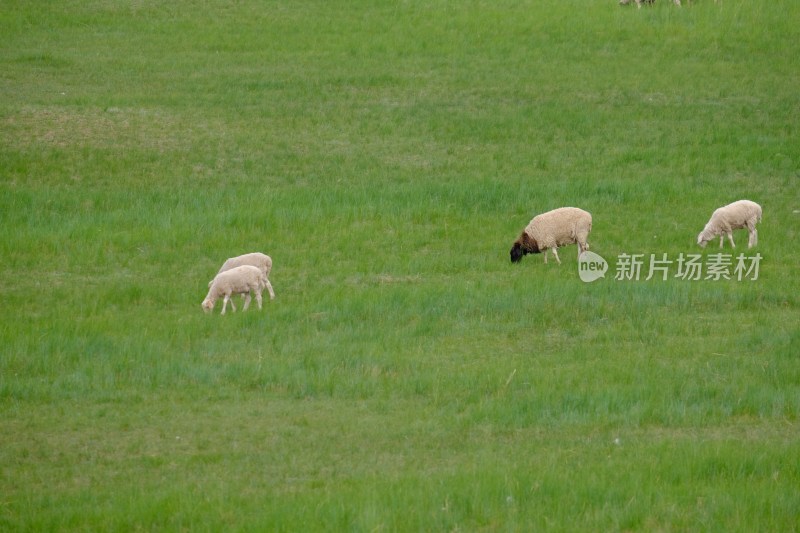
(386, 156)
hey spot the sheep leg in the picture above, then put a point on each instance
(721, 239)
(753, 239)
(225, 303)
(246, 301)
(730, 238)
(271, 292)
(555, 253)
(545, 256)
(258, 299)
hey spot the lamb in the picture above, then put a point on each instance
(740, 214)
(256, 259)
(548, 231)
(239, 280)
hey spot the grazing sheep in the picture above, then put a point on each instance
(256, 259)
(240, 280)
(740, 214)
(548, 231)
(640, 2)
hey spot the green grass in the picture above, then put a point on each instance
(407, 377)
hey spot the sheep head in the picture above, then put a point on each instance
(704, 236)
(516, 253)
(524, 245)
(207, 305)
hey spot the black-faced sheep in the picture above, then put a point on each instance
(548, 231)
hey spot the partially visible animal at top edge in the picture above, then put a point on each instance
(640, 2)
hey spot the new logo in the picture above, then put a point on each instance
(591, 266)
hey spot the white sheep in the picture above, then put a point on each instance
(740, 214)
(240, 280)
(256, 259)
(548, 231)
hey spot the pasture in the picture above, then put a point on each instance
(407, 377)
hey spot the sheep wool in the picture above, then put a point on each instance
(548, 231)
(239, 280)
(739, 214)
(256, 259)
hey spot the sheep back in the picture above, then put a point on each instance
(256, 259)
(733, 216)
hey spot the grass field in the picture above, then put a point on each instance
(407, 377)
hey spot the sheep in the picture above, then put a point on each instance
(548, 231)
(739, 214)
(239, 280)
(256, 259)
